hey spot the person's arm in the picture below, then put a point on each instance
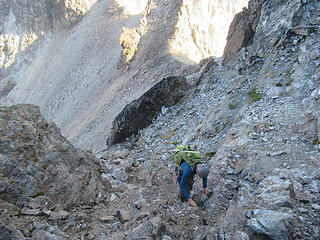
(205, 182)
(205, 186)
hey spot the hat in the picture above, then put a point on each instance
(202, 170)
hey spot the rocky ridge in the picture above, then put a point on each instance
(42, 175)
(256, 122)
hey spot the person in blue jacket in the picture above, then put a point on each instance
(188, 164)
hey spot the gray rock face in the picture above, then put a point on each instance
(256, 119)
(36, 160)
(9, 232)
(241, 236)
(270, 223)
(44, 231)
(39, 16)
(120, 174)
(141, 112)
(42, 173)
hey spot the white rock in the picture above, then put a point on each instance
(113, 197)
(120, 174)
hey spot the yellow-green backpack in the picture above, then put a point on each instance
(185, 153)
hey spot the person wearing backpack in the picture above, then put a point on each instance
(188, 163)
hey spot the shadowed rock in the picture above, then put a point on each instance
(140, 113)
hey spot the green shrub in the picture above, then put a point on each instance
(38, 194)
(254, 95)
(288, 71)
(289, 82)
(233, 105)
(209, 154)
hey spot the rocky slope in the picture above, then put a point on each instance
(82, 75)
(43, 177)
(24, 26)
(255, 119)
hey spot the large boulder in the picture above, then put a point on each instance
(270, 223)
(140, 113)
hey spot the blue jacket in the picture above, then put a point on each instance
(187, 172)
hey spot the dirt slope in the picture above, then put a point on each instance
(68, 61)
(79, 77)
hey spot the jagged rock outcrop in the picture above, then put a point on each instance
(37, 160)
(41, 173)
(242, 29)
(140, 113)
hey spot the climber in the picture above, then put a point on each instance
(188, 164)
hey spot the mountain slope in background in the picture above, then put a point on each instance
(83, 75)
